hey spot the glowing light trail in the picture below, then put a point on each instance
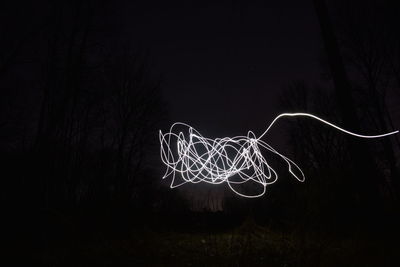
(233, 160)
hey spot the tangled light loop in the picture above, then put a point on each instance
(232, 160)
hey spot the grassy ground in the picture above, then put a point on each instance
(246, 244)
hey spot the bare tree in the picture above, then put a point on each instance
(367, 45)
(364, 171)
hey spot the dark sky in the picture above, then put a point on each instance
(224, 63)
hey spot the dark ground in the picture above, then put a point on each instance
(109, 238)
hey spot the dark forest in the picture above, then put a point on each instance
(85, 87)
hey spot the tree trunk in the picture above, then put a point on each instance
(364, 175)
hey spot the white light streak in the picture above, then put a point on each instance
(232, 160)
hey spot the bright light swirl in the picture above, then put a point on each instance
(232, 160)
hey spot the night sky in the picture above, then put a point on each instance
(224, 63)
